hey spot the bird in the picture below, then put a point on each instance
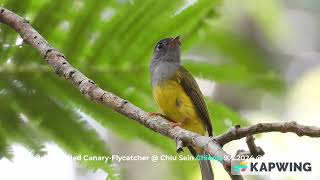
(178, 95)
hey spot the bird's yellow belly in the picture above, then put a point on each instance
(177, 106)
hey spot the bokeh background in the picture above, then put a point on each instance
(255, 61)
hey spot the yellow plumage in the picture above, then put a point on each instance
(177, 105)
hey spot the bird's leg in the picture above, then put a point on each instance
(174, 124)
(179, 124)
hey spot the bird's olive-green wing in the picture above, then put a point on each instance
(192, 89)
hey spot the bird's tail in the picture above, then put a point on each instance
(205, 166)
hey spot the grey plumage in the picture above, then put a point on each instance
(161, 71)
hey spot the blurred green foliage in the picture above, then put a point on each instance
(112, 42)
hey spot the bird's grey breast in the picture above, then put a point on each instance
(161, 71)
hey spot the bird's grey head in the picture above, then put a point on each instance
(165, 60)
(167, 49)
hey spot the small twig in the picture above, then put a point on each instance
(255, 151)
(180, 145)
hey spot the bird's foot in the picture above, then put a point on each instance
(173, 124)
(179, 124)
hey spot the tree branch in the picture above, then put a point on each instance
(213, 146)
(283, 127)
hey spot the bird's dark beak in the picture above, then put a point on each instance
(176, 41)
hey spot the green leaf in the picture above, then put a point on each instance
(55, 122)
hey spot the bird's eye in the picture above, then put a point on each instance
(159, 46)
